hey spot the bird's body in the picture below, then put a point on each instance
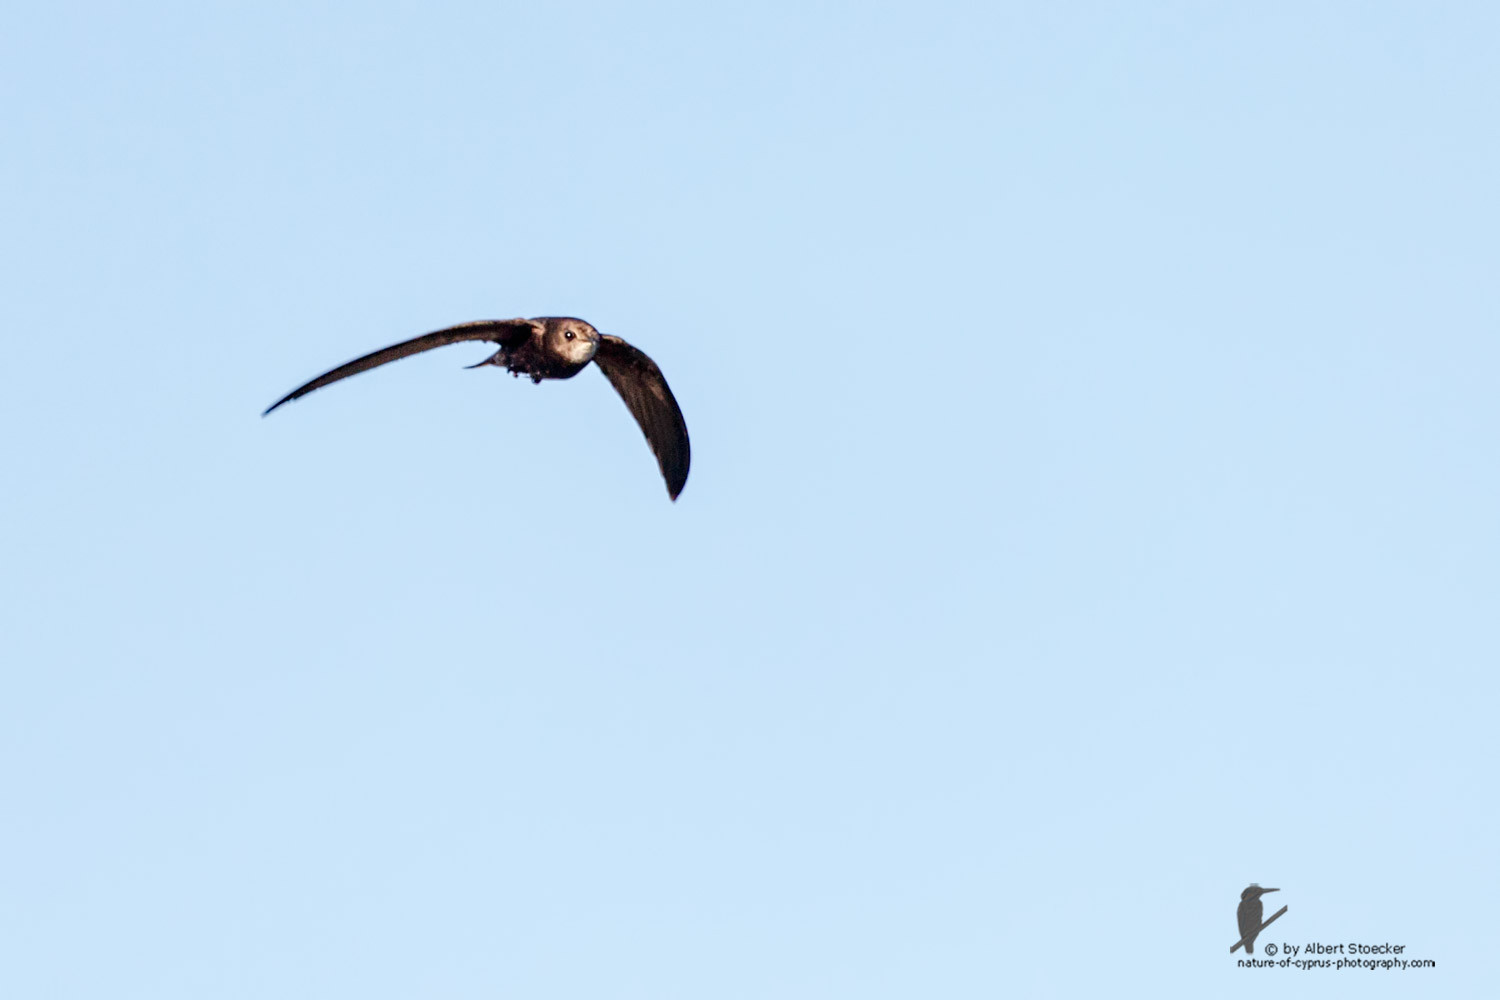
(547, 353)
(1249, 915)
(556, 347)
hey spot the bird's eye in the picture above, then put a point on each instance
(569, 334)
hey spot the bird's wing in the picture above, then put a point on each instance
(1248, 917)
(505, 332)
(640, 383)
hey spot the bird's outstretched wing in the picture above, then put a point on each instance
(505, 332)
(640, 383)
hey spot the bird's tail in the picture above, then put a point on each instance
(497, 359)
(1250, 947)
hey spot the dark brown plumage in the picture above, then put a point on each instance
(556, 347)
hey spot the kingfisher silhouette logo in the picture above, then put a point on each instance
(1249, 916)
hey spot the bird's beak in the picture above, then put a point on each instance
(1264, 891)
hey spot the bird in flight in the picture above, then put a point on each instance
(556, 347)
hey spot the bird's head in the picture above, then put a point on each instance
(573, 340)
(1255, 892)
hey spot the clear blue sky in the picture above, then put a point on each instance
(1095, 505)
